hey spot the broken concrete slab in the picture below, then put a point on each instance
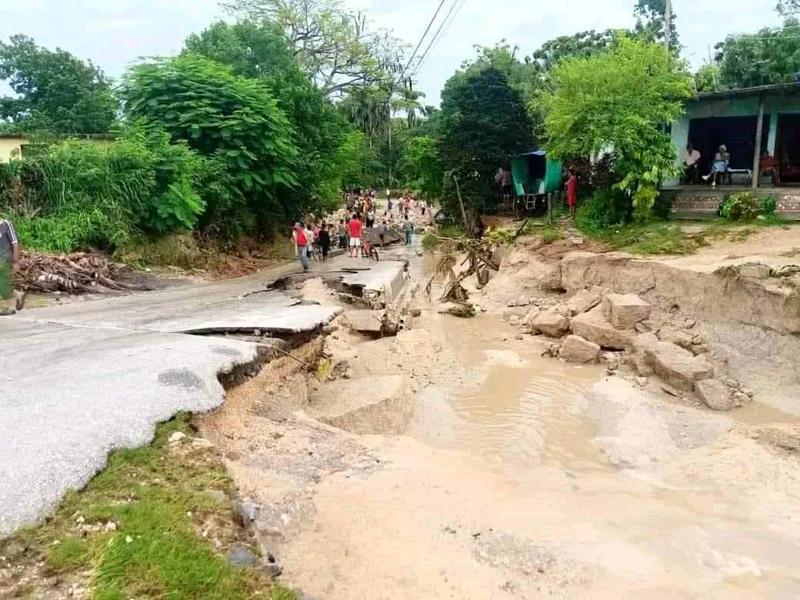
(550, 323)
(576, 349)
(383, 281)
(593, 327)
(678, 367)
(365, 321)
(381, 404)
(73, 394)
(624, 311)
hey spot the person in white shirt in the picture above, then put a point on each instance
(691, 165)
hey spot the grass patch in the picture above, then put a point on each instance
(647, 238)
(430, 241)
(551, 234)
(136, 531)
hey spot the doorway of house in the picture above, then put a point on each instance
(737, 133)
(787, 149)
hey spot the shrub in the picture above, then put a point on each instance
(605, 208)
(740, 207)
(81, 228)
(769, 206)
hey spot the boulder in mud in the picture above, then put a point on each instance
(677, 337)
(678, 367)
(754, 270)
(592, 326)
(583, 301)
(458, 309)
(575, 349)
(716, 395)
(624, 311)
(550, 323)
(531, 315)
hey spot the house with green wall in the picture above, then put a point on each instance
(749, 122)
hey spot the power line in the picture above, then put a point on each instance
(419, 43)
(443, 25)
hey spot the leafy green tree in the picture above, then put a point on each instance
(788, 7)
(580, 45)
(56, 92)
(618, 101)
(422, 166)
(708, 79)
(261, 51)
(483, 124)
(332, 43)
(233, 119)
(650, 22)
(767, 57)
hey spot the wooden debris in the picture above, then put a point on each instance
(71, 273)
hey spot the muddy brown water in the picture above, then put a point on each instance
(526, 410)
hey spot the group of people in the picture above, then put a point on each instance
(356, 229)
(691, 165)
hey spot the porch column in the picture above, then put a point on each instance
(757, 151)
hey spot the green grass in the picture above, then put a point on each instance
(647, 238)
(156, 499)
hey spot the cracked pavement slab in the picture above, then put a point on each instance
(81, 380)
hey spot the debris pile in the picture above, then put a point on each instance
(71, 273)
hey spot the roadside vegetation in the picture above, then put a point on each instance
(154, 523)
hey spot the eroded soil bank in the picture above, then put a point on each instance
(454, 460)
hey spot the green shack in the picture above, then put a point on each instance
(535, 176)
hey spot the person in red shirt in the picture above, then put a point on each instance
(354, 229)
(572, 193)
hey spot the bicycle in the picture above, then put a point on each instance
(315, 253)
(369, 251)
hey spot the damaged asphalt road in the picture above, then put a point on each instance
(86, 378)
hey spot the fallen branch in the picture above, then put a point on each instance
(78, 273)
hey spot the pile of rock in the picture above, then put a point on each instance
(594, 320)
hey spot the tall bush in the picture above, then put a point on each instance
(234, 120)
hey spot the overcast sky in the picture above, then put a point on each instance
(115, 32)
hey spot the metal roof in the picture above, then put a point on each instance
(781, 88)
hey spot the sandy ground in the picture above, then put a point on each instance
(770, 246)
(518, 476)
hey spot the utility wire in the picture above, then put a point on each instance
(443, 25)
(422, 39)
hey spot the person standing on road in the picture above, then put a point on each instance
(10, 253)
(354, 230)
(301, 245)
(324, 241)
(572, 193)
(383, 229)
(341, 231)
(408, 227)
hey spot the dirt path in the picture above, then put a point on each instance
(769, 245)
(516, 476)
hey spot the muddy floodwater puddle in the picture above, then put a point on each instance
(524, 409)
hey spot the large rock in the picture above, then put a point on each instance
(678, 367)
(583, 301)
(624, 311)
(677, 337)
(715, 394)
(531, 315)
(575, 349)
(593, 327)
(550, 323)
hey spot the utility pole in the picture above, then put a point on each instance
(667, 23)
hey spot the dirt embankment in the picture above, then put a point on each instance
(453, 460)
(746, 316)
